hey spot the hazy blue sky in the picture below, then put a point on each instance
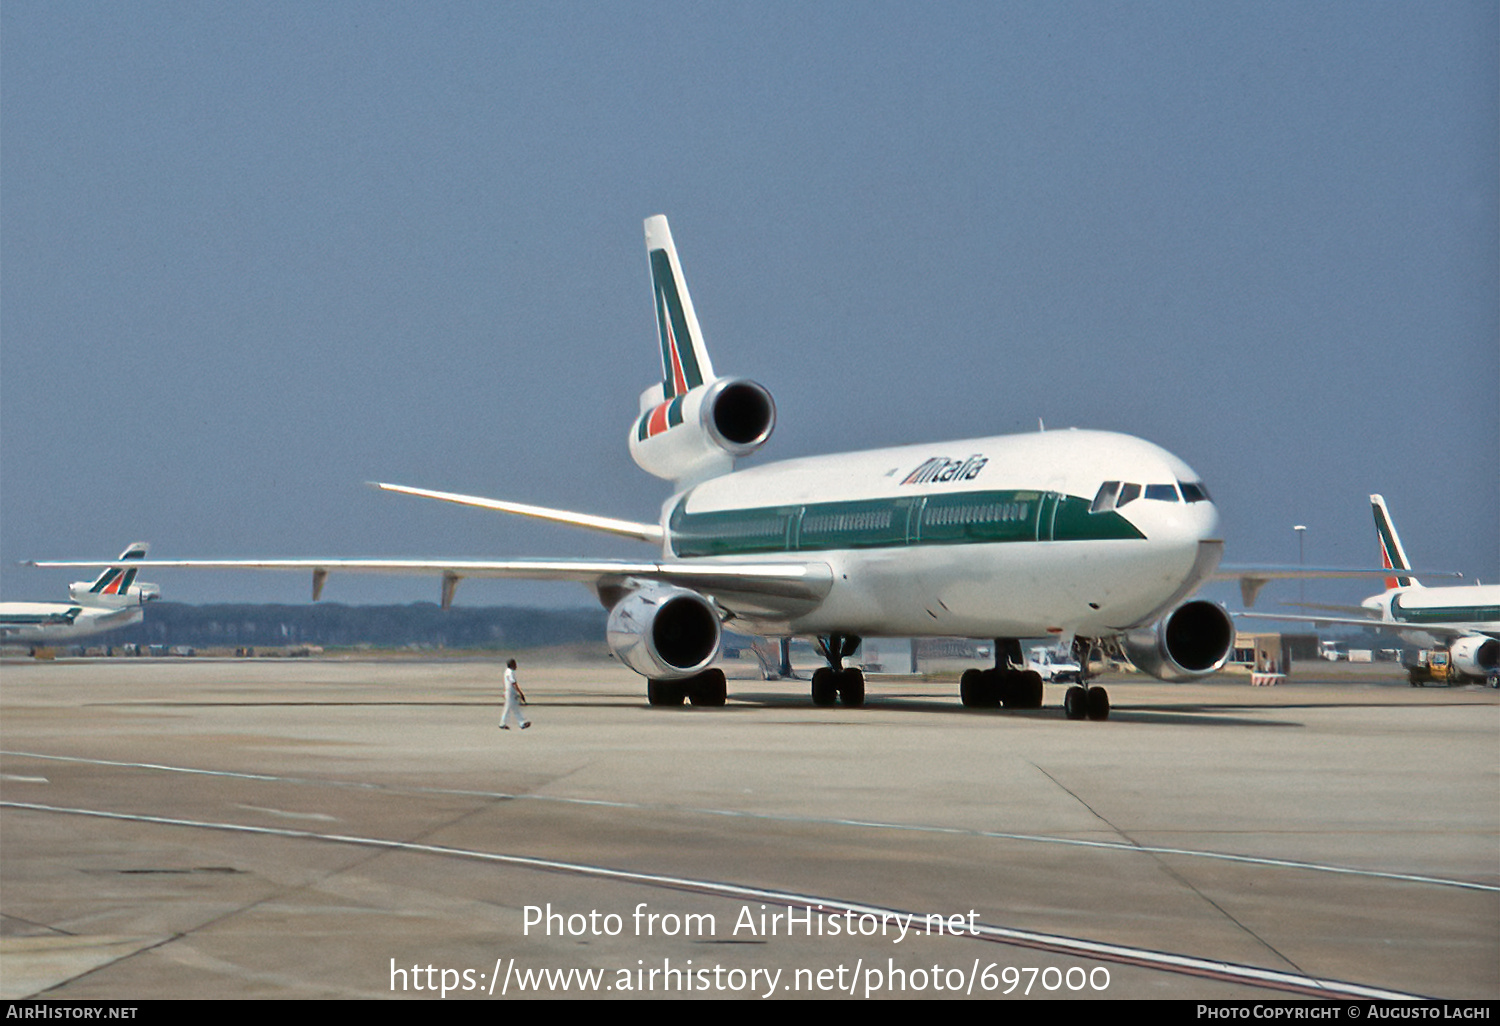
(254, 255)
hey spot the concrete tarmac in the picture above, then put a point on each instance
(200, 828)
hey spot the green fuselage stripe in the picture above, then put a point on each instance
(965, 518)
(1443, 614)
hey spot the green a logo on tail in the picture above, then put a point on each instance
(684, 358)
(1392, 555)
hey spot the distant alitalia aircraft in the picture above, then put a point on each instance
(1086, 535)
(1463, 618)
(111, 600)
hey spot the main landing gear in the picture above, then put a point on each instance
(1081, 701)
(833, 681)
(1003, 685)
(706, 688)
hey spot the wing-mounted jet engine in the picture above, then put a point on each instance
(1475, 656)
(670, 636)
(1191, 641)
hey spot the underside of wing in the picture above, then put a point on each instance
(1253, 578)
(1449, 630)
(782, 589)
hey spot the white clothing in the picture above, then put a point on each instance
(512, 700)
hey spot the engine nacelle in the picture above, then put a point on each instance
(1191, 641)
(1475, 656)
(699, 434)
(664, 632)
(135, 595)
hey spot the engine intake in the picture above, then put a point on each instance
(1475, 656)
(664, 632)
(701, 433)
(1191, 641)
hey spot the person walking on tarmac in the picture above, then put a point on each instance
(514, 699)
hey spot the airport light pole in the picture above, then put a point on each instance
(1301, 530)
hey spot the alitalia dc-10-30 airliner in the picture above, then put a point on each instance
(110, 601)
(1089, 535)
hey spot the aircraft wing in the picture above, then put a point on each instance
(769, 588)
(1447, 630)
(1253, 578)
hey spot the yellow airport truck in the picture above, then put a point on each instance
(1433, 666)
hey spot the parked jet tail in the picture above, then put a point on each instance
(1392, 555)
(116, 585)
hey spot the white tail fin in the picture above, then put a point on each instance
(684, 358)
(694, 424)
(1392, 555)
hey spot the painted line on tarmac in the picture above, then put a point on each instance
(864, 824)
(1231, 972)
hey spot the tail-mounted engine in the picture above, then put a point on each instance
(664, 632)
(698, 435)
(1191, 641)
(118, 594)
(1475, 656)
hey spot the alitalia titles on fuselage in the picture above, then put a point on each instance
(940, 469)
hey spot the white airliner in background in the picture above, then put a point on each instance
(1084, 535)
(1464, 618)
(110, 601)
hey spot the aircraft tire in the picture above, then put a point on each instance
(1011, 689)
(1075, 703)
(851, 687)
(824, 688)
(664, 692)
(1098, 704)
(708, 688)
(1029, 688)
(971, 689)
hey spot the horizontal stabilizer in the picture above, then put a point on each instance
(628, 528)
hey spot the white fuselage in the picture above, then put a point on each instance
(1474, 607)
(45, 623)
(986, 537)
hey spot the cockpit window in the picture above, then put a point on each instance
(1114, 494)
(1105, 500)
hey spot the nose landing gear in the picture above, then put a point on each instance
(1081, 701)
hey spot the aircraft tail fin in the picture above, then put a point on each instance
(684, 358)
(1392, 555)
(116, 585)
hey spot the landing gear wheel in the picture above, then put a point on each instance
(971, 689)
(664, 692)
(1013, 693)
(851, 687)
(825, 689)
(1028, 690)
(1075, 703)
(1098, 704)
(708, 688)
